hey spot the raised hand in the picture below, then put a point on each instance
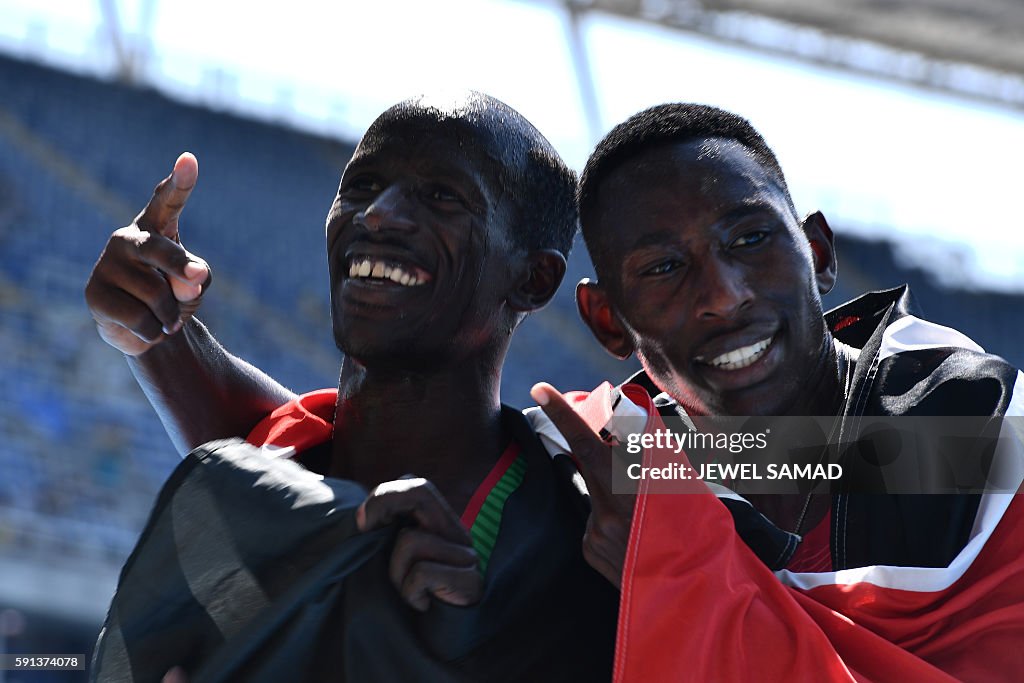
(611, 514)
(145, 285)
(433, 555)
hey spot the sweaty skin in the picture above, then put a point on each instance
(714, 261)
(703, 260)
(143, 292)
(425, 192)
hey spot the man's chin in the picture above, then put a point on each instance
(763, 399)
(395, 353)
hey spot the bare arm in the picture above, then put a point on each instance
(200, 391)
(143, 293)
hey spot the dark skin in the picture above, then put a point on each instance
(424, 198)
(143, 291)
(721, 311)
(435, 216)
(433, 350)
(709, 258)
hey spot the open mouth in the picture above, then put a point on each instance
(385, 271)
(738, 358)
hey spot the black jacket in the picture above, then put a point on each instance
(250, 569)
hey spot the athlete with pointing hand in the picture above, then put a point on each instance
(463, 214)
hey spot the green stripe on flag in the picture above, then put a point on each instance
(488, 520)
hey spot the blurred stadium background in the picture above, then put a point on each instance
(85, 133)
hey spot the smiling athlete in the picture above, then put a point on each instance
(717, 282)
(707, 273)
(451, 224)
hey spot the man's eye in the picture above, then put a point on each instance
(750, 239)
(443, 194)
(663, 268)
(364, 184)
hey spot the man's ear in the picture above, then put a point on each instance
(596, 310)
(823, 249)
(544, 272)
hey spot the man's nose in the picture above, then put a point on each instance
(392, 209)
(723, 291)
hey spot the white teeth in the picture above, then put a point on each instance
(739, 358)
(378, 270)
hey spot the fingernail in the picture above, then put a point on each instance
(194, 270)
(539, 394)
(173, 328)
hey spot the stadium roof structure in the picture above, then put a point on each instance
(973, 48)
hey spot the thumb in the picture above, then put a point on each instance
(169, 198)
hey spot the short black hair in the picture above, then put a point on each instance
(663, 125)
(541, 186)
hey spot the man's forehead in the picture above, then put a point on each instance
(708, 169)
(669, 190)
(425, 140)
(692, 158)
(434, 157)
(422, 137)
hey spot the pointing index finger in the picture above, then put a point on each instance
(587, 447)
(169, 197)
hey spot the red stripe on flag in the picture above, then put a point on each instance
(477, 501)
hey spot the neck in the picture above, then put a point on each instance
(442, 424)
(825, 388)
(825, 394)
